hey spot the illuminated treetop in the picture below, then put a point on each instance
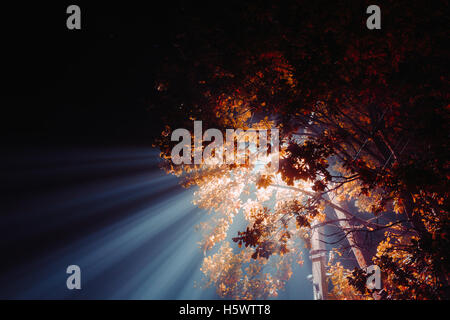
(362, 117)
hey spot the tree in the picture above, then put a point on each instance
(363, 117)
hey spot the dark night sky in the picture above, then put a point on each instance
(69, 97)
(79, 179)
(92, 85)
(86, 86)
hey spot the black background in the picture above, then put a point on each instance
(85, 86)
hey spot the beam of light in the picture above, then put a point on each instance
(113, 212)
(129, 227)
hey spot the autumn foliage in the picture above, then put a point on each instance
(363, 118)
